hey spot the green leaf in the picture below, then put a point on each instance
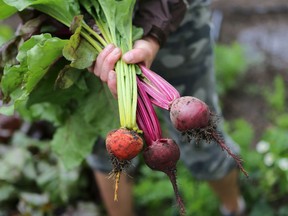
(85, 55)
(94, 117)
(12, 80)
(40, 58)
(6, 10)
(67, 77)
(80, 52)
(124, 9)
(36, 57)
(10, 169)
(70, 48)
(63, 11)
(73, 141)
(6, 33)
(7, 110)
(35, 199)
(49, 91)
(108, 14)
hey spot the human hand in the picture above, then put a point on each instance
(144, 51)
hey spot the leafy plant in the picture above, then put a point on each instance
(195, 194)
(6, 33)
(276, 97)
(230, 64)
(36, 183)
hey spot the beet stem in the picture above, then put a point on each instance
(227, 149)
(171, 173)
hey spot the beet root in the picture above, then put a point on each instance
(163, 155)
(124, 144)
(188, 113)
(192, 117)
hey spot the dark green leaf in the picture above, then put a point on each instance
(67, 77)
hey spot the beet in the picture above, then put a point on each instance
(188, 113)
(193, 118)
(162, 156)
(124, 144)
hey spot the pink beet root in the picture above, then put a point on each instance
(187, 113)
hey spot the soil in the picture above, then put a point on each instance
(261, 26)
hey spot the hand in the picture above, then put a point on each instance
(104, 66)
(144, 50)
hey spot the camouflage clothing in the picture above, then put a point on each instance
(186, 61)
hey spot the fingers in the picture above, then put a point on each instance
(135, 55)
(104, 67)
(144, 51)
(112, 83)
(106, 61)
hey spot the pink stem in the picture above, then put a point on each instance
(159, 82)
(147, 119)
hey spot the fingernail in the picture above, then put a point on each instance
(116, 51)
(128, 57)
(109, 46)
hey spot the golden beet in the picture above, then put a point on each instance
(124, 144)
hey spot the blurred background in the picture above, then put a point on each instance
(251, 61)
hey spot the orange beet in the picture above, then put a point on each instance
(124, 144)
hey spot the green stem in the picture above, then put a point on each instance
(128, 97)
(94, 43)
(134, 96)
(120, 91)
(92, 32)
(127, 94)
(104, 31)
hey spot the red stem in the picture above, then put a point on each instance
(227, 149)
(147, 119)
(172, 176)
(166, 90)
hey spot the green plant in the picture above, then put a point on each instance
(158, 201)
(33, 181)
(276, 97)
(6, 33)
(267, 166)
(230, 65)
(241, 131)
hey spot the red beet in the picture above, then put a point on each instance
(163, 155)
(188, 113)
(193, 118)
